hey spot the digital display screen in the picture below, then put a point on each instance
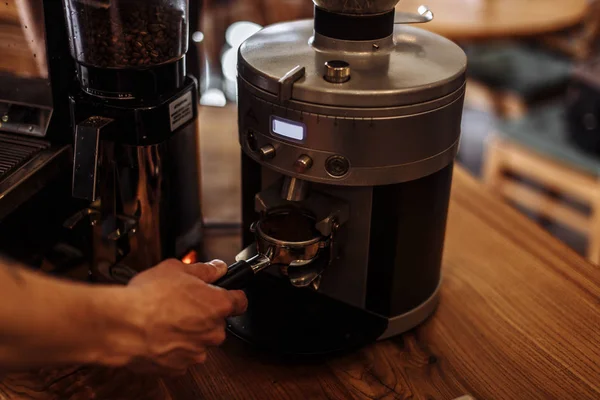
(288, 129)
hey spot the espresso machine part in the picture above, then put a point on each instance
(36, 139)
(353, 117)
(136, 142)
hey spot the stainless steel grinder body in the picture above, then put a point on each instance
(134, 114)
(373, 127)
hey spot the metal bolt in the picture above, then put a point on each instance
(375, 46)
(30, 128)
(5, 118)
(337, 71)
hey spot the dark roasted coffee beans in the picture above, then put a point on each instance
(128, 33)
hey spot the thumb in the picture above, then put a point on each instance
(208, 272)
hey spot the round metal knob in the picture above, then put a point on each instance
(337, 71)
(303, 164)
(337, 166)
(267, 152)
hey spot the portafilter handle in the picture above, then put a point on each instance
(240, 274)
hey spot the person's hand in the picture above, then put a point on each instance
(179, 314)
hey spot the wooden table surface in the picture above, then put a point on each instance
(519, 318)
(465, 20)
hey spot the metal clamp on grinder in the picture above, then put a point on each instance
(351, 120)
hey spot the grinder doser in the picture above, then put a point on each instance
(136, 143)
(351, 120)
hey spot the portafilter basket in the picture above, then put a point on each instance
(284, 237)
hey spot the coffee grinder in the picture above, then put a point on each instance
(349, 126)
(136, 149)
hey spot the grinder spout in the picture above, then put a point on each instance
(294, 189)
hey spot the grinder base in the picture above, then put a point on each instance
(298, 322)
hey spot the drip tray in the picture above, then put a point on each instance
(26, 166)
(16, 151)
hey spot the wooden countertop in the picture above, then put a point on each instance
(463, 20)
(518, 319)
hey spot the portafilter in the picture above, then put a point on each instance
(286, 238)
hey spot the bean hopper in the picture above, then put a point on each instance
(349, 126)
(134, 115)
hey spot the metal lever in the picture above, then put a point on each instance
(87, 142)
(129, 227)
(286, 83)
(424, 15)
(94, 216)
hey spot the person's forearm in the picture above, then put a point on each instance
(47, 321)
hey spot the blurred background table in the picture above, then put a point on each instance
(467, 20)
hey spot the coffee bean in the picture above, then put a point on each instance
(153, 28)
(145, 33)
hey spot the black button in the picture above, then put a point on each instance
(251, 140)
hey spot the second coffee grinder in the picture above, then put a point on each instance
(349, 126)
(136, 141)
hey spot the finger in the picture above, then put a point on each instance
(208, 272)
(216, 337)
(239, 300)
(200, 358)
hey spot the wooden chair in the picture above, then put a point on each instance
(537, 148)
(579, 42)
(509, 76)
(506, 78)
